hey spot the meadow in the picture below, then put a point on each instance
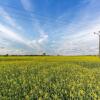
(49, 78)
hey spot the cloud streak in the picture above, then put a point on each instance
(77, 36)
(39, 43)
(26, 5)
(8, 19)
(70, 34)
(9, 34)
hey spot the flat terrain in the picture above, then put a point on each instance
(49, 78)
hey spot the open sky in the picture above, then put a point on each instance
(53, 26)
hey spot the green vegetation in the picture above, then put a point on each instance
(50, 78)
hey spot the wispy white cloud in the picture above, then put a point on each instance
(4, 43)
(26, 5)
(12, 51)
(72, 37)
(9, 20)
(39, 43)
(43, 36)
(9, 34)
(77, 36)
(5, 15)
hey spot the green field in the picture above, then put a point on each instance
(50, 78)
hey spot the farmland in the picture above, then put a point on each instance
(50, 78)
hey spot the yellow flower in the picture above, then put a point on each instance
(81, 92)
(27, 97)
(40, 98)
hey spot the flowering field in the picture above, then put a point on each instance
(50, 78)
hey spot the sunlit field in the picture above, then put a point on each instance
(50, 78)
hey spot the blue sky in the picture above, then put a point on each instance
(53, 26)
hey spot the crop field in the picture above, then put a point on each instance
(50, 78)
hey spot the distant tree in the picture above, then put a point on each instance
(6, 55)
(44, 54)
